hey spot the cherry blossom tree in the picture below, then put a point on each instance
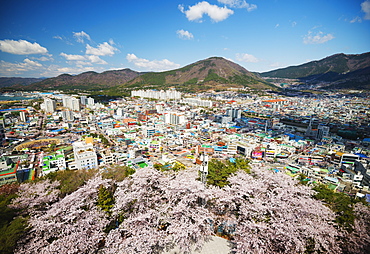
(72, 225)
(35, 196)
(358, 241)
(275, 215)
(154, 211)
(160, 211)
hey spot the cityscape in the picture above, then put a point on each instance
(185, 127)
(320, 139)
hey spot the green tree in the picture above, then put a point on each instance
(70, 180)
(219, 171)
(339, 203)
(12, 227)
(117, 173)
(106, 199)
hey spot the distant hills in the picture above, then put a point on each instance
(11, 81)
(214, 73)
(339, 71)
(86, 81)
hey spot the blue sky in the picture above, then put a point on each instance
(42, 38)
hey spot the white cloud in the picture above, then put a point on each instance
(43, 58)
(317, 38)
(239, 4)
(80, 36)
(365, 7)
(181, 8)
(62, 38)
(356, 19)
(58, 37)
(243, 57)
(277, 25)
(55, 70)
(21, 47)
(30, 63)
(103, 49)
(95, 59)
(80, 59)
(185, 35)
(13, 69)
(215, 12)
(72, 57)
(154, 65)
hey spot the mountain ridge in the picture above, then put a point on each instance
(211, 73)
(89, 80)
(338, 71)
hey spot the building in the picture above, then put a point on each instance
(322, 131)
(49, 105)
(53, 162)
(159, 95)
(107, 158)
(71, 103)
(8, 171)
(67, 115)
(90, 101)
(234, 113)
(84, 155)
(198, 102)
(22, 116)
(174, 118)
(83, 100)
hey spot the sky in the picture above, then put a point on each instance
(44, 38)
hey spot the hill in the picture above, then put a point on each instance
(336, 71)
(212, 73)
(87, 81)
(5, 81)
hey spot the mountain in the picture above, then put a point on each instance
(214, 73)
(86, 81)
(336, 71)
(5, 82)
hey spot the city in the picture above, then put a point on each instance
(169, 128)
(185, 127)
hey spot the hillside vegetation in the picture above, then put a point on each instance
(212, 73)
(337, 71)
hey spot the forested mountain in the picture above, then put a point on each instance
(336, 71)
(211, 73)
(10, 81)
(87, 80)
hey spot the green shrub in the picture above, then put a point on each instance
(71, 180)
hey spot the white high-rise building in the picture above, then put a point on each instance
(120, 112)
(67, 115)
(22, 116)
(75, 104)
(160, 95)
(83, 100)
(49, 105)
(198, 102)
(71, 103)
(90, 101)
(234, 113)
(174, 118)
